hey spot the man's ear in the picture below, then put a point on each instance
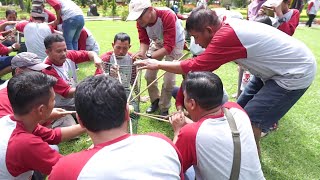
(209, 29)
(18, 70)
(39, 112)
(193, 104)
(47, 51)
(79, 120)
(127, 113)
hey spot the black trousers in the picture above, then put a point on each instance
(311, 18)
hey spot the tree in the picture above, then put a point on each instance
(21, 4)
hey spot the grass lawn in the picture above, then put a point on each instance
(292, 152)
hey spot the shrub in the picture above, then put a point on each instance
(188, 7)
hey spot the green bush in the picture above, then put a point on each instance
(28, 3)
(124, 12)
(113, 8)
(104, 7)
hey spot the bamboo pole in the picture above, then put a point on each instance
(156, 79)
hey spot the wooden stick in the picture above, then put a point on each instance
(156, 79)
(130, 126)
(159, 116)
(134, 84)
(152, 117)
(115, 62)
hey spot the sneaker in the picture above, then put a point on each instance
(154, 106)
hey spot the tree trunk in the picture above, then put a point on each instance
(21, 4)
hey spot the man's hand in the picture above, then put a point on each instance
(97, 61)
(58, 113)
(139, 55)
(151, 64)
(277, 9)
(16, 46)
(177, 121)
(114, 69)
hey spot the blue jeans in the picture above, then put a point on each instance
(71, 31)
(266, 103)
(5, 61)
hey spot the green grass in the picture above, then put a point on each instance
(292, 152)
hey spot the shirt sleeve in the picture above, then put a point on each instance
(310, 6)
(143, 35)
(32, 154)
(51, 136)
(290, 26)
(169, 31)
(75, 161)
(61, 87)
(82, 40)
(186, 144)
(55, 4)
(105, 58)
(20, 25)
(180, 98)
(224, 47)
(3, 49)
(78, 56)
(51, 16)
(161, 136)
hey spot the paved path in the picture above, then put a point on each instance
(99, 18)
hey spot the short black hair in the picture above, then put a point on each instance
(100, 103)
(10, 11)
(201, 17)
(52, 38)
(39, 18)
(263, 19)
(28, 90)
(122, 37)
(205, 88)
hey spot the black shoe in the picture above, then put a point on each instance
(154, 106)
(164, 113)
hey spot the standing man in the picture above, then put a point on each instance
(35, 32)
(285, 65)
(72, 20)
(313, 7)
(48, 15)
(161, 35)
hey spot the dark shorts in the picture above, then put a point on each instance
(5, 61)
(266, 103)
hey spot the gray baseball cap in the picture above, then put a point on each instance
(28, 60)
(37, 12)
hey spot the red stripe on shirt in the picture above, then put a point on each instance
(224, 47)
(290, 26)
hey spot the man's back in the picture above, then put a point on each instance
(34, 34)
(210, 143)
(126, 157)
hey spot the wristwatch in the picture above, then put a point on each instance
(149, 55)
(282, 19)
(13, 48)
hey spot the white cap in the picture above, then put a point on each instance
(136, 8)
